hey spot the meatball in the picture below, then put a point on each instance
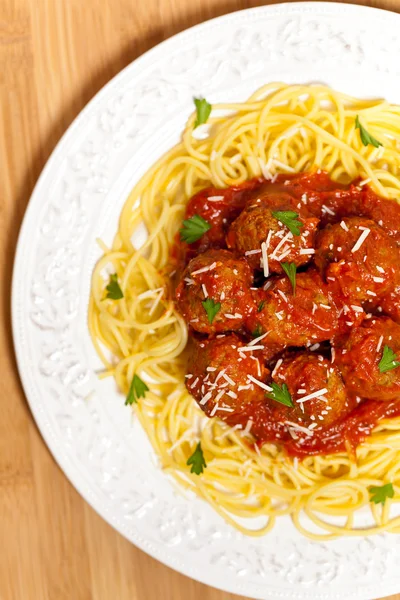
(218, 376)
(305, 374)
(258, 223)
(359, 357)
(214, 294)
(219, 207)
(311, 316)
(360, 257)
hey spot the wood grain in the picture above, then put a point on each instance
(54, 56)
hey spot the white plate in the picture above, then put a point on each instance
(125, 128)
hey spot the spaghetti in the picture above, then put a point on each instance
(280, 129)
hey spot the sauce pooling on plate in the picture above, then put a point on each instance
(291, 292)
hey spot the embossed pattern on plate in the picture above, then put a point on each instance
(79, 195)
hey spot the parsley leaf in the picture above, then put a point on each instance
(378, 494)
(197, 460)
(261, 306)
(388, 360)
(113, 289)
(211, 308)
(203, 111)
(257, 332)
(289, 218)
(280, 394)
(290, 270)
(193, 229)
(137, 390)
(366, 137)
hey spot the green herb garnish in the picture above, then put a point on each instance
(366, 137)
(197, 460)
(257, 332)
(388, 360)
(378, 494)
(211, 308)
(137, 390)
(280, 394)
(114, 291)
(203, 111)
(289, 218)
(290, 270)
(193, 229)
(261, 306)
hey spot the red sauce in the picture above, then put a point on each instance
(319, 197)
(347, 434)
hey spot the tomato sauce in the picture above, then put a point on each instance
(343, 436)
(348, 433)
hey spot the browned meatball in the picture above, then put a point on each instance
(364, 359)
(214, 294)
(221, 376)
(218, 207)
(312, 315)
(305, 375)
(360, 257)
(290, 415)
(259, 223)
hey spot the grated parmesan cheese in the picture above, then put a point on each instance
(260, 384)
(204, 269)
(361, 240)
(313, 395)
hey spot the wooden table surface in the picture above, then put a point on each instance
(54, 56)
